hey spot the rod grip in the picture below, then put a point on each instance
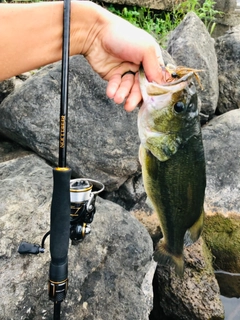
(60, 223)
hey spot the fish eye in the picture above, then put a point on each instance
(179, 106)
(174, 75)
(191, 106)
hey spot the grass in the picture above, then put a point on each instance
(161, 23)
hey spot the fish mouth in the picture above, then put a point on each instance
(184, 78)
(155, 89)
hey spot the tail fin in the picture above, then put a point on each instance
(164, 257)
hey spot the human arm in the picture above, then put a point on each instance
(31, 37)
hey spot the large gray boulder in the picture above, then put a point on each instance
(228, 53)
(196, 296)
(191, 45)
(102, 137)
(221, 142)
(110, 272)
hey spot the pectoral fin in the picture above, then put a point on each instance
(163, 146)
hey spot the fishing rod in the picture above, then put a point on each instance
(73, 201)
(60, 208)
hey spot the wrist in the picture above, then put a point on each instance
(87, 19)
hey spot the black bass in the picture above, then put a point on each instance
(173, 164)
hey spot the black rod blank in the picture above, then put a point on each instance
(57, 310)
(64, 84)
(60, 208)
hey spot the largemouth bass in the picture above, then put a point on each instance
(173, 165)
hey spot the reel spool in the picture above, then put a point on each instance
(83, 193)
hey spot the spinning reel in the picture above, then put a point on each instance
(82, 197)
(83, 194)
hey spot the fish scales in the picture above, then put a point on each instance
(173, 165)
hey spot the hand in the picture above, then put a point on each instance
(112, 45)
(120, 47)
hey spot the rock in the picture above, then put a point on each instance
(150, 221)
(220, 138)
(153, 4)
(223, 5)
(132, 191)
(229, 16)
(6, 87)
(222, 235)
(227, 50)
(102, 138)
(196, 296)
(226, 22)
(9, 85)
(167, 58)
(10, 150)
(221, 231)
(109, 271)
(229, 285)
(129, 195)
(191, 45)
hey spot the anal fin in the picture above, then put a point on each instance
(193, 233)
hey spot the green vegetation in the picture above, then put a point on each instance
(222, 236)
(160, 23)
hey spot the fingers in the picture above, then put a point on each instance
(113, 85)
(119, 87)
(125, 87)
(121, 78)
(152, 64)
(127, 81)
(135, 96)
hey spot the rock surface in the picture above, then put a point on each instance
(220, 5)
(102, 138)
(154, 4)
(223, 5)
(220, 138)
(191, 45)
(196, 296)
(109, 271)
(227, 50)
(6, 87)
(9, 85)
